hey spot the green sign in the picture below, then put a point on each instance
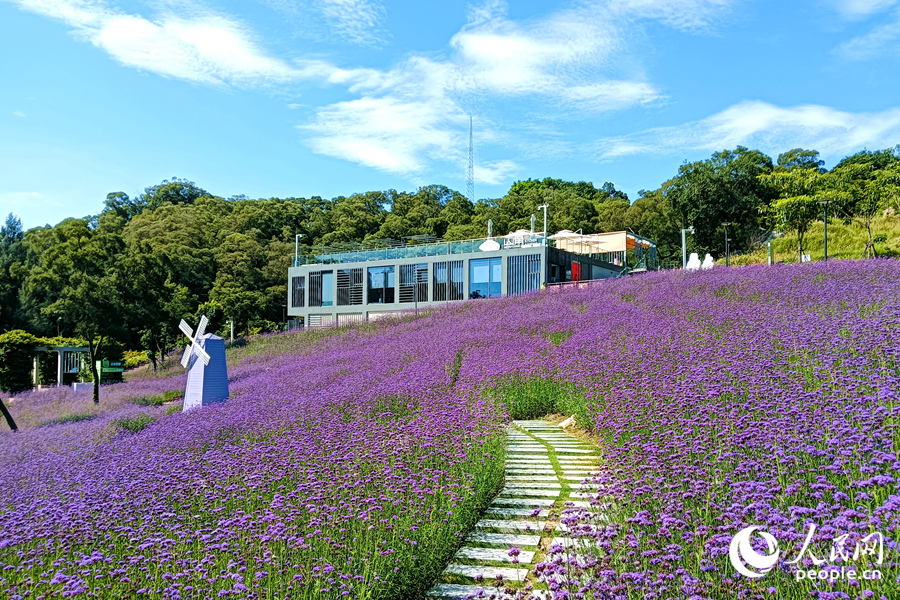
(111, 371)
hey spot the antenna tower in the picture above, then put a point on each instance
(470, 171)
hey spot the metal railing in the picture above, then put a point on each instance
(335, 255)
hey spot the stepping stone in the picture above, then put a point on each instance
(526, 502)
(531, 478)
(537, 484)
(577, 504)
(488, 573)
(514, 512)
(511, 525)
(545, 472)
(504, 539)
(574, 451)
(493, 554)
(530, 492)
(458, 592)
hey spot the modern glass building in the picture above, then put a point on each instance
(333, 286)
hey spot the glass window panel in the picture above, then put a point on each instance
(380, 285)
(327, 288)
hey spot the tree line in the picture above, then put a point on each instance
(131, 272)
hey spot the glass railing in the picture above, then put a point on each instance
(334, 256)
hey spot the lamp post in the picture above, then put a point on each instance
(684, 246)
(726, 242)
(297, 248)
(544, 207)
(824, 204)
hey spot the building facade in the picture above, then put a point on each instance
(329, 288)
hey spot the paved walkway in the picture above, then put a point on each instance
(544, 469)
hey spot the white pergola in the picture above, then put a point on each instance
(68, 360)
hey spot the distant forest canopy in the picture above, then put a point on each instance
(132, 272)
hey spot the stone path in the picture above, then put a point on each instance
(526, 513)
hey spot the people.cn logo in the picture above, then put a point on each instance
(744, 557)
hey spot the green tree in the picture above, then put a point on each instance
(863, 191)
(17, 350)
(798, 158)
(650, 217)
(12, 271)
(725, 188)
(797, 206)
(79, 278)
(352, 219)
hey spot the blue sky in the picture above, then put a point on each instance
(330, 97)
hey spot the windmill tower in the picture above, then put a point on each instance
(207, 372)
(470, 171)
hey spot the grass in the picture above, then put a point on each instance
(844, 241)
(73, 418)
(156, 399)
(134, 424)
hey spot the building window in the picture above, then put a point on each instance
(381, 285)
(349, 287)
(485, 277)
(414, 283)
(523, 273)
(448, 281)
(298, 292)
(321, 288)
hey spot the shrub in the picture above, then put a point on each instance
(17, 350)
(156, 399)
(134, 358)
(527, 398)
(75, 418)
(134, 424)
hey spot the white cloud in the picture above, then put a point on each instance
(387, 133)
(682, 14)
(203, 48)
(358, 21)
(768, 127)
(19, 113)
(412, 113)
(495, 172)
(883, 40)
(856, 9)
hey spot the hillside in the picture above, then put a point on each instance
(351, 463)
(844, 241)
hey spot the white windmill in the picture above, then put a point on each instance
(194, 347)
(207, 378)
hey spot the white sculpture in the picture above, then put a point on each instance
(207, 378)
(707, 262)
(693, 262)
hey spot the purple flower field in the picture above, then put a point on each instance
(352, 464)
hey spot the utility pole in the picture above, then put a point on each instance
(684, 246)
(544, 208)
(726, 243)
(824, 204)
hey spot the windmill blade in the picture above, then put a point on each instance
(186, 357)
(201, 328)
(186, 329)
(202, 354)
